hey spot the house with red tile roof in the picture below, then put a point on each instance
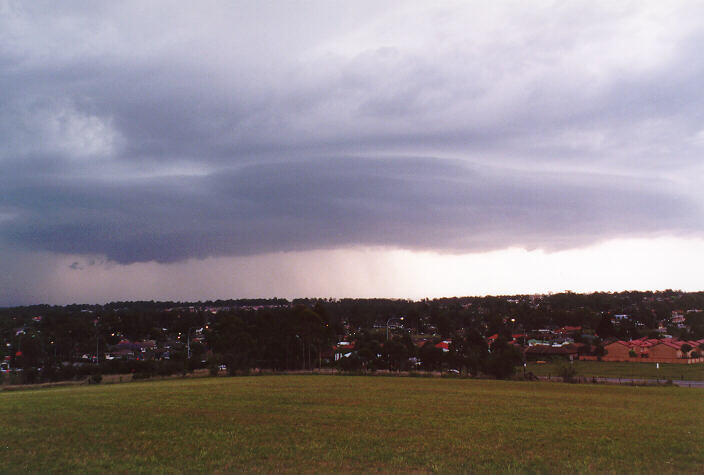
(444, 345)
(652, 350)
(538, 352)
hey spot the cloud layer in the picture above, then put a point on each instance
(163, 133)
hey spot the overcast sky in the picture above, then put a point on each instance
(195, 150)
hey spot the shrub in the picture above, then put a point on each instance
(632, 353)
(96, 378)
(66, 373)
(30, 376)
(213, 369)
(15, 377)
(502, 361)
(169, 367)
(566, 371)
(50, 373)
(686, 348)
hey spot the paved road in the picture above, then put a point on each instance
(677, 382)
(690, 384)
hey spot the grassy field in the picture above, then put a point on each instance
(326, 423)
(613, 369)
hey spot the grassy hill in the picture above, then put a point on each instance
(324, 423)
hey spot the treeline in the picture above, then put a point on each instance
(468, 354)
(282, 335)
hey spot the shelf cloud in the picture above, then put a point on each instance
(161, 132)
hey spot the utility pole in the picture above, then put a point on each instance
(97, 343)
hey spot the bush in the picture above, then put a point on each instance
(49, 373)
(502, 361)
(566, 371)
(169, 367)
(66, 373)
(350, 363)
(213, 369)
(30, 376)
(15, 377)
(83, 371)
(632, 353)
(96, 378)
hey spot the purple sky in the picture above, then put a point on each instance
(233, 149)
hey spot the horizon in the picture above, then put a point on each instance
(338, 299)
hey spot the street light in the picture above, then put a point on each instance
(188, 343)
(188, 340)
(387, 325)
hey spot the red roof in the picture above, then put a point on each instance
(444, 345)
(649, 342)
(644, 342)
(621, 342)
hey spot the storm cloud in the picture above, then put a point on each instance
(165, 132)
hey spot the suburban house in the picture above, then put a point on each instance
(666, 350)
(538, 352)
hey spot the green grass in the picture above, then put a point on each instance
(332, 423)
(613, 369)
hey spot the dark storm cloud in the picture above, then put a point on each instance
(415, 203)
(208, 137)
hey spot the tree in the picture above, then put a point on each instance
(368, 346)
(599, 350)
(685, 349)
(503, 359)
(606, 327)
(430, 356)
(230, 338)
(566, 370)
(396, 353)
(468, 351)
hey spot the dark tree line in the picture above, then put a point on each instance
(283, 335)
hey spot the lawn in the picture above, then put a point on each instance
(613, 369)
(332, 423)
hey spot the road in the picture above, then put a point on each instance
(676, 382)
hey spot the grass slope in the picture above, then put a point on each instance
(324, 423)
